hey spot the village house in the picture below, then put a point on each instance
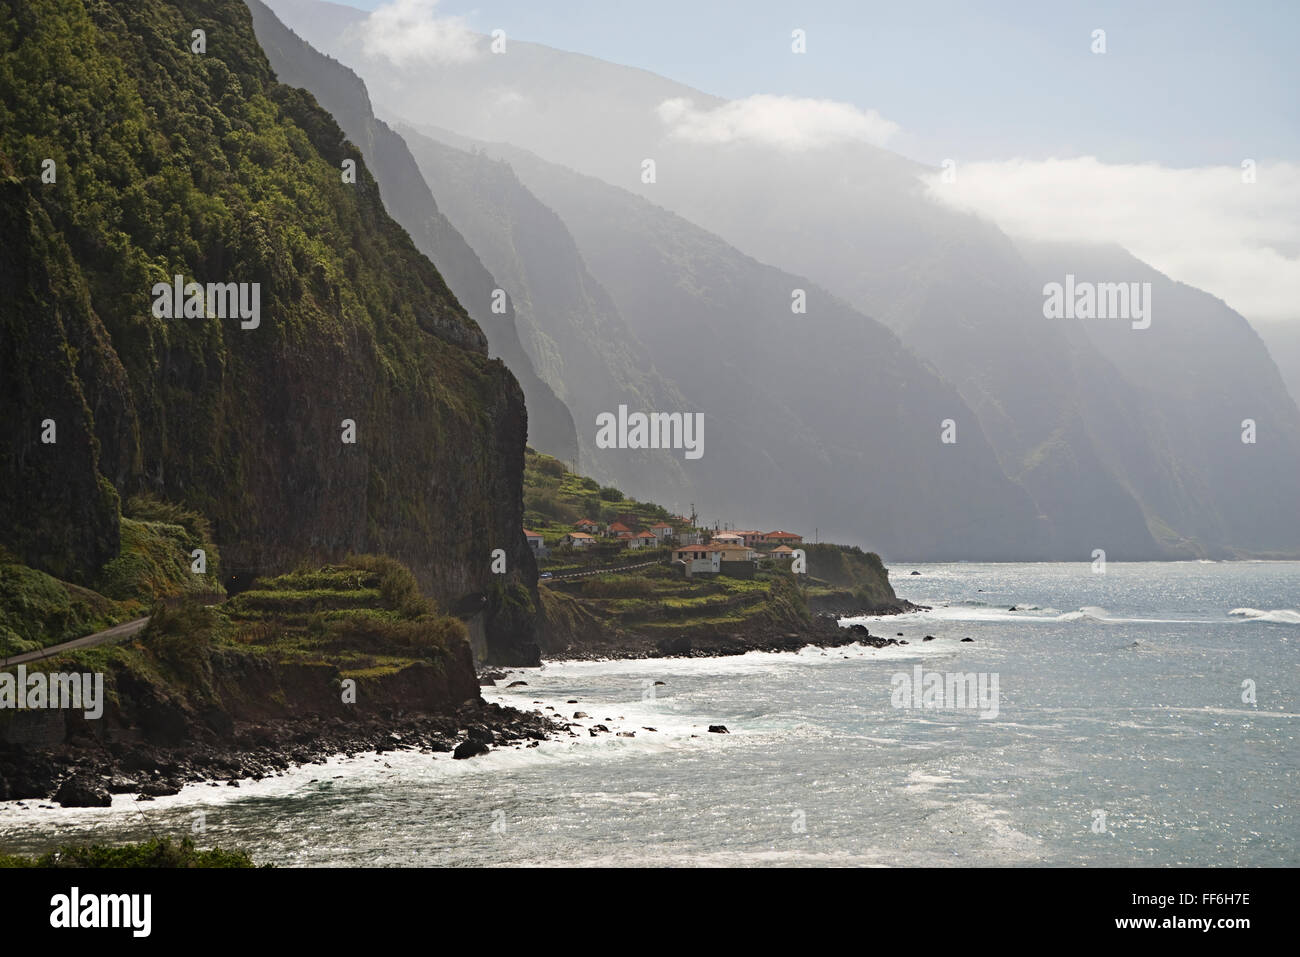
(663, 531)
(782, 538)
(698, 560)
(587, 525)
(616, 529)
(536, 543)
(734, 560)
(578, 540)
(645, 540)
(728, 538)
(781, 552)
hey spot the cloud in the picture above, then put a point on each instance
(409, 31)
(788, 122)
(1203, 226)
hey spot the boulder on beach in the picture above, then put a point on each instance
(469, 749)
(719, 729)
(82, 791)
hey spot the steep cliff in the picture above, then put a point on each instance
(352, 404)
(409, 201)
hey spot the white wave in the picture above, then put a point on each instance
(1286, 616)
(980, 613)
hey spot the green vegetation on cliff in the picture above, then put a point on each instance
(154, 563)
(128, 157)
(282, 648)
(591, 602)
(555, 498)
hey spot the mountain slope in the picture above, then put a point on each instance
(822, 419)
(864, 224)
(572, 329)
(171, 162)
(407, 197)
(1283, 341)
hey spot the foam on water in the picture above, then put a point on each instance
(1118, 691)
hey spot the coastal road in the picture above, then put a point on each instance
(124, 630)
(597, 571)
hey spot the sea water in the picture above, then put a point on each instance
(1145, 716)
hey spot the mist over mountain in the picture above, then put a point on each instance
(865, 459)
(571, 328)
(1283, 341)
(1121, 438)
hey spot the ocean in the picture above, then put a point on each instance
(1145, 716)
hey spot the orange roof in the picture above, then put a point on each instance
(783, 535)
(531, 534)
(619, 527)
(644, 535)
(584, 521)
(661, 525)
(782, 549)
(579, 535)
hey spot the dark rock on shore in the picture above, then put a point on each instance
(719, 729)
(469, 749)
(254, 750)
(82, 791)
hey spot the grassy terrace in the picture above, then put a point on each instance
(658, 597)
(153, 562)
(365, 616)
(555, 498)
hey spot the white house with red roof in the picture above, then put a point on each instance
(536, 543)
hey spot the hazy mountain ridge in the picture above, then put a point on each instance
(571, 327)
(1052, 398)
(406, 196)
(866, 461)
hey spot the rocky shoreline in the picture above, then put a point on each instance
(824, 631)
(85, 772)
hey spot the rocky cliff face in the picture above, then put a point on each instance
(408, 199)
(356, 410)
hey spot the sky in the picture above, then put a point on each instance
(1181, 83)
(1181, 141)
